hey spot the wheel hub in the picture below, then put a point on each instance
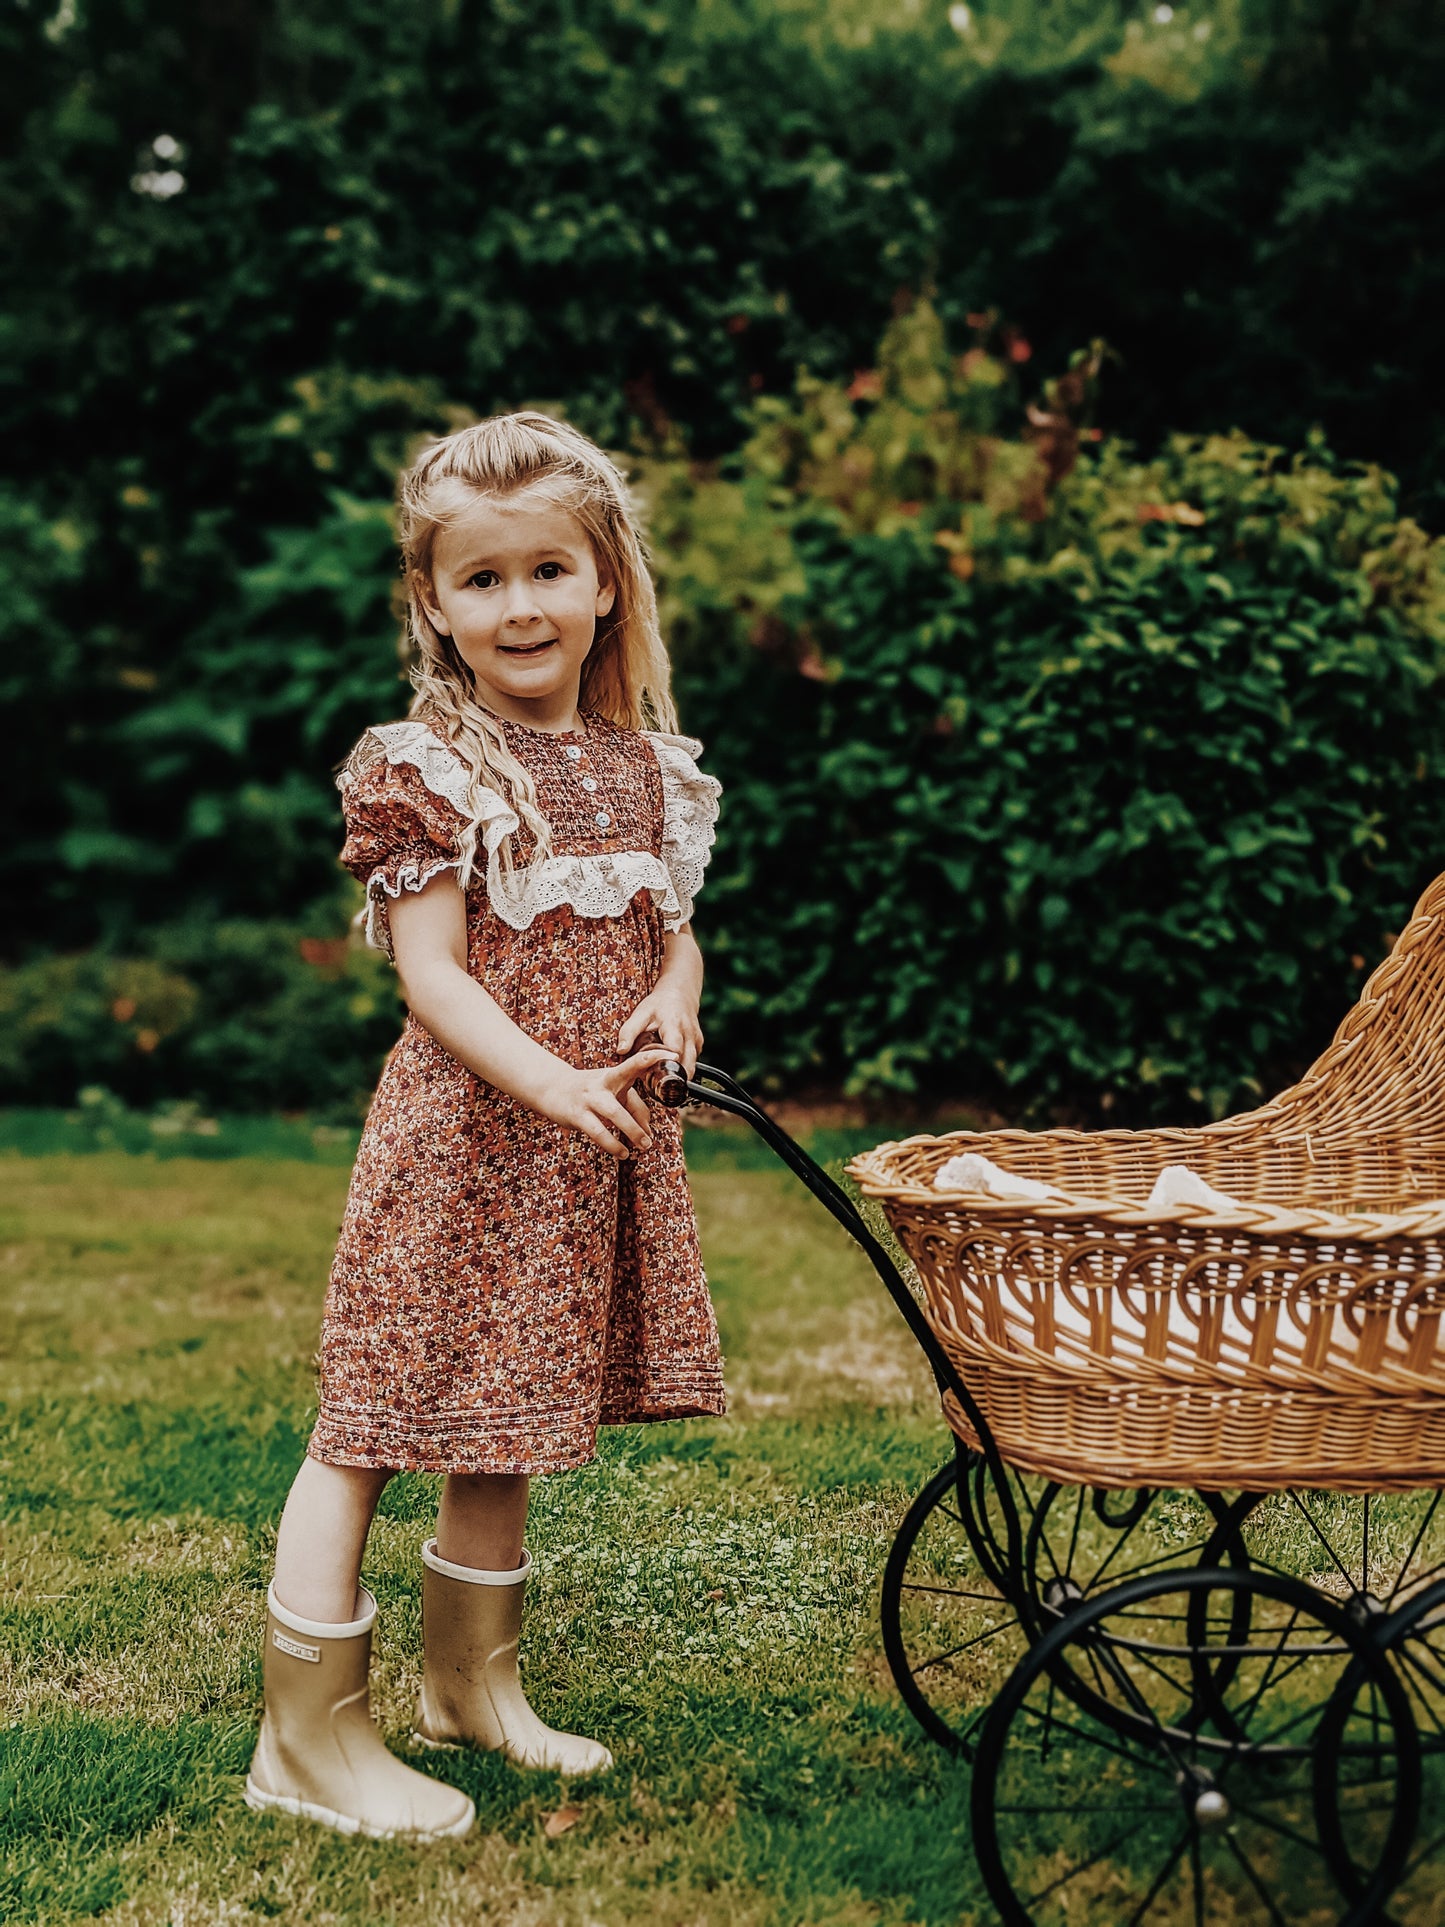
(1362, 1607)
(1211, 1809)
(1203, 1801)
(1059, 1595)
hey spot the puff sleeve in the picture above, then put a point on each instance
(399, 833)
(689, 820)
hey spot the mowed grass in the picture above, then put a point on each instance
(706, 1594)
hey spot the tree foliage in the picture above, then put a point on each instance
(254, 252)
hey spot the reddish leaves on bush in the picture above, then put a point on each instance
(323, 953)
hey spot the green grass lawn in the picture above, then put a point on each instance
(706, 1598)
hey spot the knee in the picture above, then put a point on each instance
(486, 1492)
(493, 1485)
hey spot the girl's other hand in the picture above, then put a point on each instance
(672, 1017)
(605, 1105)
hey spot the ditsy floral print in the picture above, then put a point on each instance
(501, 1286)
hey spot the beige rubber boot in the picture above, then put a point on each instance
(470, 1692)
(320, 1755)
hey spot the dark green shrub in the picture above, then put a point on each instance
(1105, 788)
(91, 1019)
(1076, 778)
(237, 1017)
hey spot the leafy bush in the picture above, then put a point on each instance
(1051, 772)
(241, 1017)
(1091, 780)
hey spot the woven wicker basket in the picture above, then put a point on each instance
(1294, 1341)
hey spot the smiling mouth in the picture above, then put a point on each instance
(526, 648)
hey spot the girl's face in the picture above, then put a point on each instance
(515, 586)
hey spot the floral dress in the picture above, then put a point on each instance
(502, 1285)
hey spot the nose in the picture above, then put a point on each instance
(522, 607)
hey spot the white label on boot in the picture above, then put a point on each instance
(296, 1649)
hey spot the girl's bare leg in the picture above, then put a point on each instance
(322, 1537)
(481, 1520)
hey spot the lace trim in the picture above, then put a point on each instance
(442, 770)
(689, 820)
(415, 874)
(600, 884)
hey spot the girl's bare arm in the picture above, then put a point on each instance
(429, 940)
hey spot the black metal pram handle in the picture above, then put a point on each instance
(674, 1088)
(671, 1086)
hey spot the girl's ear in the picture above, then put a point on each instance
(606, 596)
(426, 596)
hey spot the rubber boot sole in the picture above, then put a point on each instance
(456, 1746)
(439, 1746)
(261, 1802)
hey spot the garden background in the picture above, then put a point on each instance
(1035, 409)
(1066, 634)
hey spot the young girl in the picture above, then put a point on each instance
(518, 1261)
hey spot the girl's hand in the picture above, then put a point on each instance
(671, 1014)
(603, 1104)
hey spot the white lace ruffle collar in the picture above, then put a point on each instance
(601, 884)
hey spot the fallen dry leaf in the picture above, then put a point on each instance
(562, 1821)
(717, 1593)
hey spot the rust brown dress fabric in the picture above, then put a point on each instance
(501, 1286)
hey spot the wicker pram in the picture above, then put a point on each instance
(1224, 1703)
(1295, 1341)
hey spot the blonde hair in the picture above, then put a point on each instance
(625, 677)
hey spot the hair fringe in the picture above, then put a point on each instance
(626, 677)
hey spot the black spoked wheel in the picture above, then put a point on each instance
(954, 1618)
(1084, 1822)
(951, 1625)
(1356, 1773)
(1375, 1555)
